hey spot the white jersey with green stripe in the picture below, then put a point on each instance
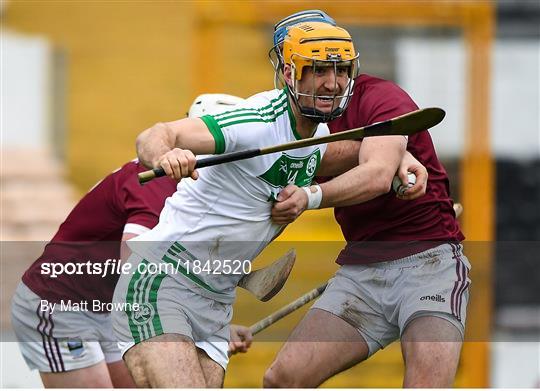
(226, 213)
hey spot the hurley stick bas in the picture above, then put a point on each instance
(405, 125)
(265, 283)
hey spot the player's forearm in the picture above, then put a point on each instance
(154, 143)
(361, 184)
(379, 159)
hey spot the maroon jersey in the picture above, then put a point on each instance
(92, 232)
(387, 228)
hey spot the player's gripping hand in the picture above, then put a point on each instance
(178, 163)
(291, 202)
(410, 164)
(241, 339)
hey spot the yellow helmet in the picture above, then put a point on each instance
(318, 41)
(315, 45)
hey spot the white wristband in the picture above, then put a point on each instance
(314, 199)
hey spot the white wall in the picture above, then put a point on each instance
(432, 71)
(515, 364)
(25, 85)
(515, 111)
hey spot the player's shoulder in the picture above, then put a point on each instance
(366, 85)
(269, 103)
(124, 182)
(376, 99)
(258, 111)
(263, 98)
(124, 174)
(129, 168)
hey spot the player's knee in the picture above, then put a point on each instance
(277, 376)
(271, 379)
(431, 364)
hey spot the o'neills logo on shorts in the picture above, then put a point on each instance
(437, 298)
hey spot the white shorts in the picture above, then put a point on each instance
(381, 299)
(157, 304)
(60, 341)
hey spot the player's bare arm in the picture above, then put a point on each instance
(379, 159)
(173, 145)
(342, 156)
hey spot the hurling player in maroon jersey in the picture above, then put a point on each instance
(403, 273)
(62, 319)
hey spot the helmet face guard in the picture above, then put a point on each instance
(314, 46)
(339, 102)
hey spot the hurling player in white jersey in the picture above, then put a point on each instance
(223, 212)
(75, 348)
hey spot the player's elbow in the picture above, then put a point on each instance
(381, 180)
(140, 141)
(145, 136)
(145, 141)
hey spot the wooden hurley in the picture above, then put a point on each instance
(405, 125)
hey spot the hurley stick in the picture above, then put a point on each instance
(407, 124)
(265, 283)
(284, 311)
